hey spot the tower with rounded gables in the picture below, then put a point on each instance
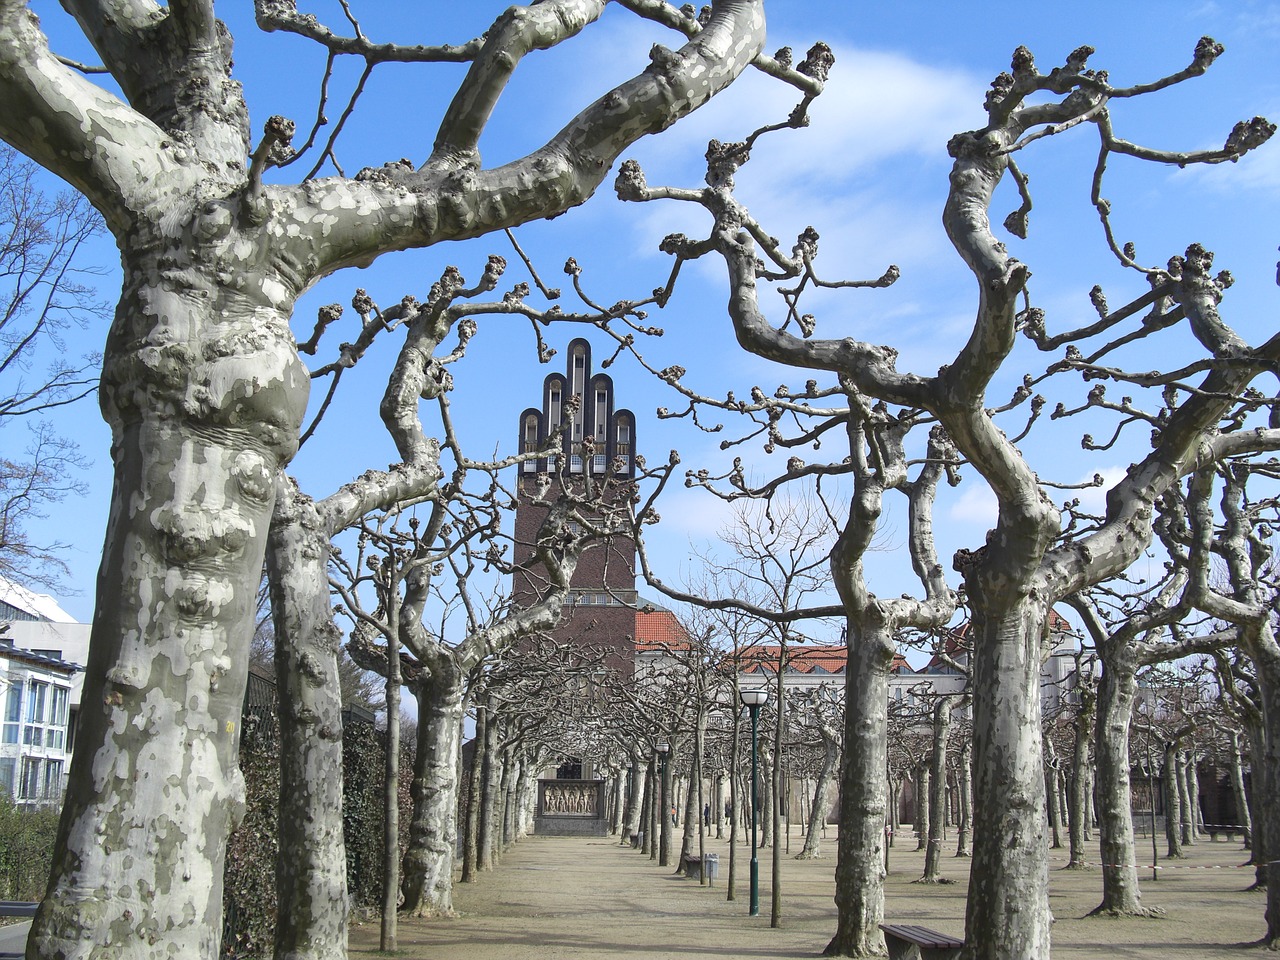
(597, 438)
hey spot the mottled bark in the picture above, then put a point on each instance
(471, 838)
(964, 780)
(1266, 656)
(204, 394)
(635, 801)
(1083, 728)
(1117, 848)
(389, 938)
(311, 870)
(823, 795)
(1053, 798)
(1172, 802)
(937, 789)
(1008, 906)
(427, 867)
(1189, 784)
(923, 782)
(1237, 791)
(490, 776)
(860, 864)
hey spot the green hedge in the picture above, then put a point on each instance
(26, 850)
(249, 879)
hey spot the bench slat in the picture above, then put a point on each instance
(921, 936)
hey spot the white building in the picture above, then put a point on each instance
(42, 652)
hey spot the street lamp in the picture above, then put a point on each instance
(664, 831)
(754, 698)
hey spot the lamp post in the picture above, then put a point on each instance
(664, 830)
(754, 699)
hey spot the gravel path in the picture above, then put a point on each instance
(568, 898)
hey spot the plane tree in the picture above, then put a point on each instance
(203, 387)
(1239, 532)
(1201, 409)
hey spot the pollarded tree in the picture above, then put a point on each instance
(1029, 561)
(203, 388)
(1133, 626)
(1240, 533)
(879, 463)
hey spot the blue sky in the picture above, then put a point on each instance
(870, 173)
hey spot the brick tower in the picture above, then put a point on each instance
(601, 606)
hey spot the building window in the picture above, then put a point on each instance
(36, 697)
(29, 783)
(602, 415)
(52, 780)
(7, 766)
(553, 411)
(530, 442)
(12, 712)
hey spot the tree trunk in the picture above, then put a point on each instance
(764, 796)
(505, 832)
(1266, 657)
(391, 803)
(633, 817)
(924, 791)
(311, 865)
(526, 788)
(433, 830)
(647, 802)
(619, 794)
(735, 814)
(1008, 915)
(692, 819)
(937, 790)
(471, 839)
(657, 809)
(823, 795)
(665, 839)
(1121, 895)
(1185, 828)
(1189, 787)
(1053, 799)
(1172, 803)
(1078, 800)
(490, 776)
(199, 432)
(1237, 791)
(965, 790)
(860, 866)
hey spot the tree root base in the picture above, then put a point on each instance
(1149, 913)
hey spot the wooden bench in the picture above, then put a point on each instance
(907, 941)
(17, 908)
(691, 866)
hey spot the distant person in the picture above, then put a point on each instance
(706, 814)
(673, 816)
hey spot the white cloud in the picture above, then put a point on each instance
(976, 505)
(1094, 499)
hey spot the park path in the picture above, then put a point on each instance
(565, 898)
(555, 898)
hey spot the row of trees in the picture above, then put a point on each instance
(205, 389)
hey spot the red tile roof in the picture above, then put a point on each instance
(819, 658)
(659, 630)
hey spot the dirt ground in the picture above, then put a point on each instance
(568, 898)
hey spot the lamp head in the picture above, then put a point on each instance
(754, 697)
